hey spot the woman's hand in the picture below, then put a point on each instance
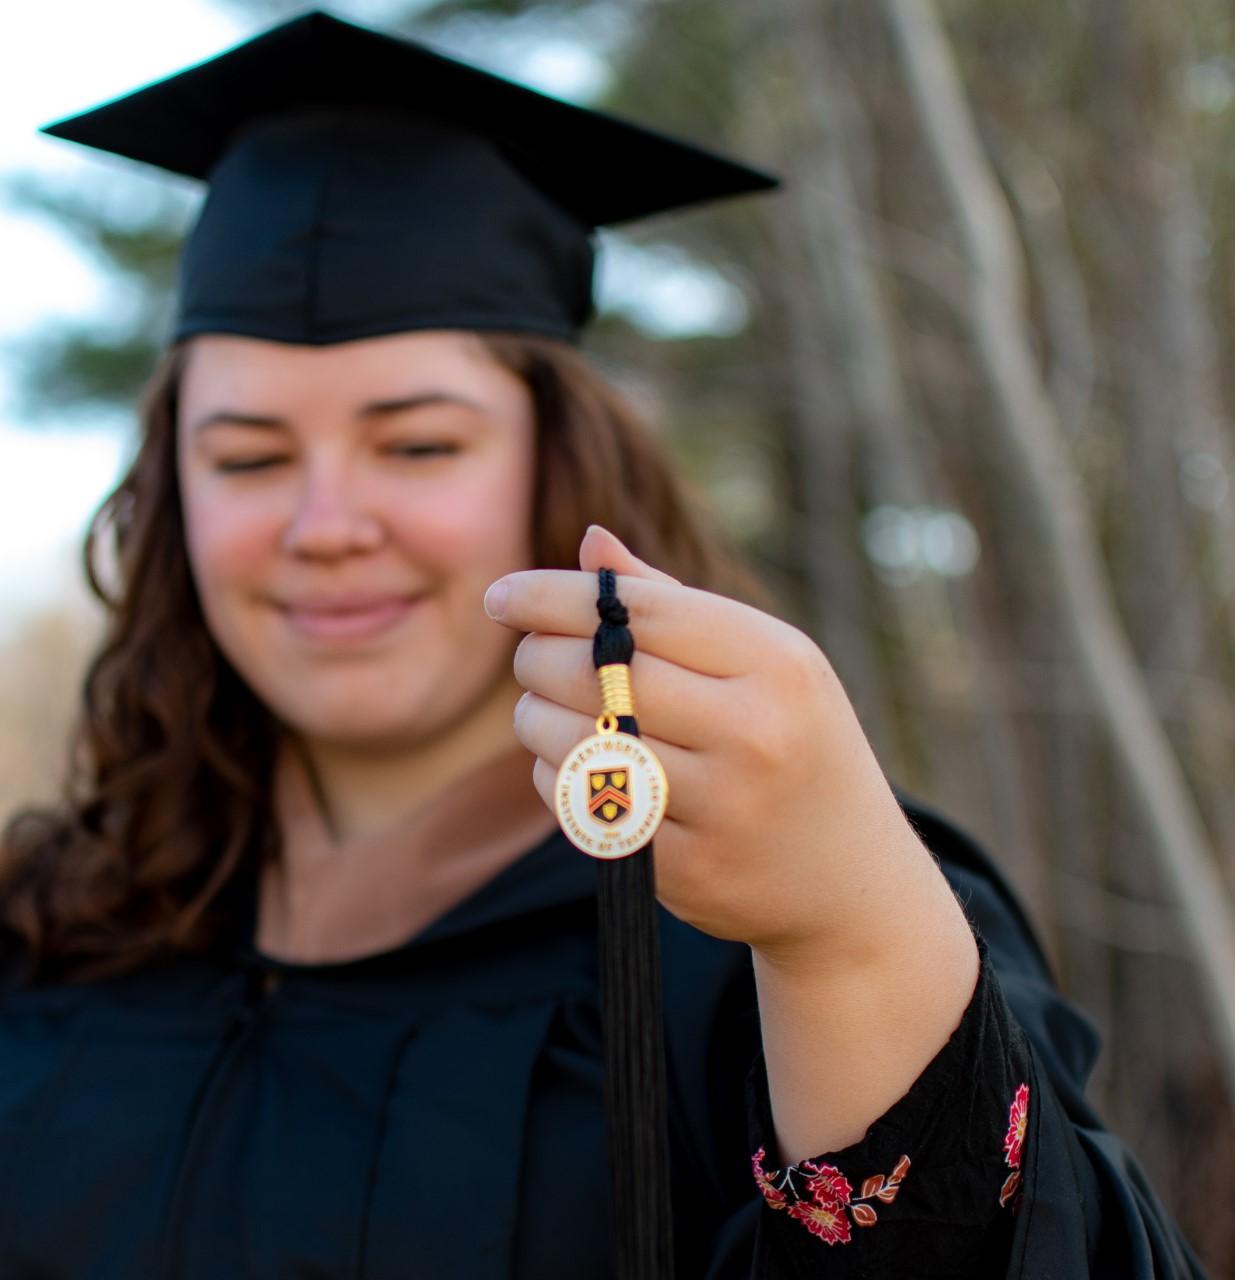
(781, 829)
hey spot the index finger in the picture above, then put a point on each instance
(699, 630)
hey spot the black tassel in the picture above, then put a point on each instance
(641, 1216)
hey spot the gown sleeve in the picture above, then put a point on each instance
(993, 1164)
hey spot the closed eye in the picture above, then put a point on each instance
(421, 450)
(230, 466)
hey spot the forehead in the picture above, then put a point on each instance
(227, 368)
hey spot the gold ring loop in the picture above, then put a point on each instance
(615, 691)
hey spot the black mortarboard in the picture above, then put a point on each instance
(361, 184)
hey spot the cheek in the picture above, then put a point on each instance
(479, 524)
(228, 541)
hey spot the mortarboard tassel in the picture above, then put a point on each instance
(611, 795)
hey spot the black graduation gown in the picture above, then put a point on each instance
(434, 1112)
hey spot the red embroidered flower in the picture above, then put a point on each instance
(822, 1198)
(826, 1184)
(771, 1193)
(1018, 1120)
(1013, 1142)
(826, 1220)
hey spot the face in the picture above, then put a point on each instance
(345, 508)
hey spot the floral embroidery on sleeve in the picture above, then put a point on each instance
(1014, 1140)
(821, 1198)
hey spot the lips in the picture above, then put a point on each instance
(353, 617)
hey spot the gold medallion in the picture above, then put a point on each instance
(611, 791)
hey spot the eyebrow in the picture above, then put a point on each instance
(374, 409)
(379, 408)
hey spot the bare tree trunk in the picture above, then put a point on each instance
(1080, 905)
(822, 443)
(1071, 358)
(1030, 432)
(830, 192)
(1196, 433)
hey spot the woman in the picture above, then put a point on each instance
(303, 981)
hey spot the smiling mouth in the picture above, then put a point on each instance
(357, 620)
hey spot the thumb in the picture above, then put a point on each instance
(601, 549)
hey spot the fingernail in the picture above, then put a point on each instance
(496, 597)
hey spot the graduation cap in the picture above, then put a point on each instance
(361, 184)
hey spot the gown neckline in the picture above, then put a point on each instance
(551, 873)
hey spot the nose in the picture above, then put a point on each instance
(331, 518)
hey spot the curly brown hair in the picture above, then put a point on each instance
(168, 803)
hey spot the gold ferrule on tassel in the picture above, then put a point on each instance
(616, 695)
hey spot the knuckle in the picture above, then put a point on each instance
(523, 711)
(804, 669)
(524, 659)
(543, 777)
(782, 718)
(642, 609)
(770, 740)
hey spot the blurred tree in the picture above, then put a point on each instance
(133, 234)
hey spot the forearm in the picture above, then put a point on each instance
(849, 1023)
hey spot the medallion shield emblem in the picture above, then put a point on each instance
(610, 795)
(609, 800)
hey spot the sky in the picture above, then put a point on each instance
(61, 56)
(56, 57)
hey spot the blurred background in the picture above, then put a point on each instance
(963, 390)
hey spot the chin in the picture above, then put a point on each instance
(345, 710)
(376, 706)
(368, 715)
(357, 730)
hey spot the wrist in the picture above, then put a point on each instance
(845, 1038)
(943, 954)
(899, 911)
